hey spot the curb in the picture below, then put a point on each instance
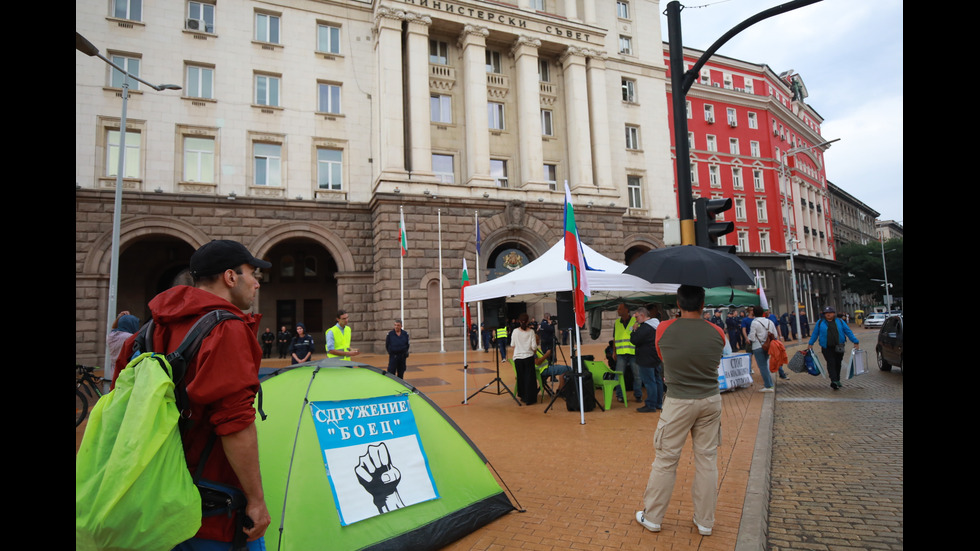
(753, 530)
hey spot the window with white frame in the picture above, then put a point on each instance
(537, 5)
(198, 159)
(748, 86)
(764, 246)
(727, 81)
(441, 108)
(267, 90)
(634, 191)
(709, 112)
(760, 184)
(629, 90)
(733, 146)
(328, 98)
(737, 177)
(131, 169)
(551, 175)
(438, 52)
(740, 209)
(547, 122)
(267, 164)
(442, 167)
(129, 63)
(694, 173)
(732, 117)
(690, 140)
(495, 115)
(712, 142)
(690, 111)
(327, 38)
(329, 169)
(760, 210)
(498, 171)
(714, 176)
(625, 45)
(622, 9)
(200, 17)
(754, 148)
(127, 9)
(267, 27)
(199, 82)
(493, 61)
(544, 70)
(742, 245)
(753, 120)
(632, 137)
(705, 76)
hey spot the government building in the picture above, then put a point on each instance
(307, 129)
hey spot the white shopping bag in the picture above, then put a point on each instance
(857, 364)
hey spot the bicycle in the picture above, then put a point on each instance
(87, 386)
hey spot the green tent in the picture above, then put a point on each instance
(727, 296)
(354, 458)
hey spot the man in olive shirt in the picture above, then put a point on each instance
(691, 350)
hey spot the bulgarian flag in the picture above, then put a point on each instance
(575, 257)
(465, 282)
(402, 236)
(761, 292)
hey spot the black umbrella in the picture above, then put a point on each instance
(691, 265)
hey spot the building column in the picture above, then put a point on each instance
(420, 132)
(525, 52)
(391, 115)
(588, 11)
(599, 113)
(577, 119)
(473, 43)
(571, 10)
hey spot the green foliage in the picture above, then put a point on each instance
(862, 264)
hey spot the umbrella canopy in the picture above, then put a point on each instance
(691, 265)
(726, 296)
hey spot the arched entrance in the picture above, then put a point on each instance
(301, 287)
(148, 266)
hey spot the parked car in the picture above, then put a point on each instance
(890, 340)
(875, 320)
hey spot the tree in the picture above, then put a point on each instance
(862, 265)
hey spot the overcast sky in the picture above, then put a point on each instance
(849, 54)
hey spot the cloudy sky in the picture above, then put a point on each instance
(849, 54)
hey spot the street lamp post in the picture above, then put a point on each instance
(87, 48)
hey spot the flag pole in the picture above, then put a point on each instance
(402, 239)
(442, 312)
(476, 266)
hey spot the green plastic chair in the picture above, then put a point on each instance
(537, 374)
(608, 386)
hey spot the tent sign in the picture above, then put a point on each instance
(373, 456)
(735, 371)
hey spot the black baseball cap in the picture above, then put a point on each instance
(220, 255)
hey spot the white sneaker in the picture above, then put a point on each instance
(701, 529)
(647, 524)
(767, 389)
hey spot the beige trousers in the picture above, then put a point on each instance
(702, 418)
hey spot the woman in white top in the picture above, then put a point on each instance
(760, 328)
(524, 346)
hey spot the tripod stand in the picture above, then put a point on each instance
(498, 380)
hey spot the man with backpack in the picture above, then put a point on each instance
(221, 382)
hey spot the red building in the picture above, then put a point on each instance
(754, 139)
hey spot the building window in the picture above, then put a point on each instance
(690, 112)
(547, 124)
(537, 5)
(551, 176)
(133, 143)
(740, 209)
(622, 9)
(714, 176)
(438, 52)
(267, 90)
(495, 115)
(754, 148)
(633, 191)
(748, 86)
(200, 17)
(441, 108)
(709, 112)
(131, 65)
(764, 242)
(632, 137)
(128, 9)
(733, 146)
(753, 121)
(736, 177)
(328, 98)
(498, 171)
(198, 159)
(267, 159)
(629, 90)
(625, 45)
(732, 118)
(267, 28)
(328, 39)
(493, 61)
(712, 143)
(442, 167)
(690, 140)
(200, 82)
(544, 70)
(727, 81)
(694, 174)
(743, 242)
(760, 210)
(329, 169)
(705, 76)
(760, 184)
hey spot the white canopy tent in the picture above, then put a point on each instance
(540, 279)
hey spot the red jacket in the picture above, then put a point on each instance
(222, 381)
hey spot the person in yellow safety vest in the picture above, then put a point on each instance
(625, 350)
(339, 337)
(501, 336)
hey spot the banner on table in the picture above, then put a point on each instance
(735, 371)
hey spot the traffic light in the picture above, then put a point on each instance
(707, 231)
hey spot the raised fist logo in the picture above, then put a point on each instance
(380, 478)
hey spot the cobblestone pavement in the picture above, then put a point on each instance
(837, 461)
